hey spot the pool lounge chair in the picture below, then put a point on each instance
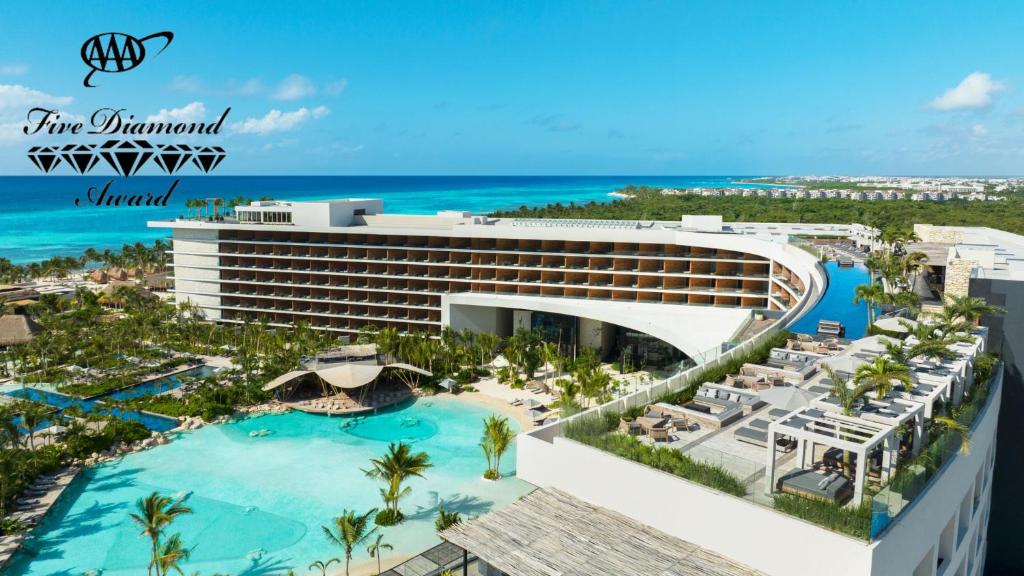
(756, 433)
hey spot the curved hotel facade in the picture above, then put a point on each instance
(343, 265)
(676, 289)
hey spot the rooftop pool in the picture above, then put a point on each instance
(259, 501)
(837, 302)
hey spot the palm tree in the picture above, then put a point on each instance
(496, 439)
(913, 264)
(323, 566)
(375, 549)
(486, 344)
(971, 309)
(33, 415)
(394, 468)
(872, 295)
(172, 552)
(446, 519)
(848, 399)
(880, 375)
(350, 530)
(929, 349)
(154, 513)
(959, 429)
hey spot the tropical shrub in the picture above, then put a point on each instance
(855, 520)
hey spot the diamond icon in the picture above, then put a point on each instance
(81, 157)
(46, 158)
(207, 158)
(126, 156)
(172, 157)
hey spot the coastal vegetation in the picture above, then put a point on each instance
(646, 203)
(137, 257)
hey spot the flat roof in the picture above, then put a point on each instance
(549, 532)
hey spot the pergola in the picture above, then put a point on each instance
(850, 434)
(929, 387)
(891, 411)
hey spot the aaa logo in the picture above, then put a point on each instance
(114, 52)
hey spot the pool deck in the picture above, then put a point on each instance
(31, 515)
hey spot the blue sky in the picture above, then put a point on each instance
(548, 87)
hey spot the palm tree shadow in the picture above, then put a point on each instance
(467, 506)
(266, 566)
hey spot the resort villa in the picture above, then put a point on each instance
(696, 297)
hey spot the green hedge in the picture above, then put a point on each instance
(593, 430)
(855, 521)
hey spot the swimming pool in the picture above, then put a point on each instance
(152, 421)
(259, 501)
(837, 302)
(160, 385)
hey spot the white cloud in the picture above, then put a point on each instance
(15, 102)
(974, 91)
(17, 96)
(277, 121)
(193, 112)
(336, 87)
(13, 69)
(293, 88)
(979, 131)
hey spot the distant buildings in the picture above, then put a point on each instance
(806, 193)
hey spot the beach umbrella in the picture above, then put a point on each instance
(787, 397)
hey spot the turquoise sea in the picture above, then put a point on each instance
(40, 219)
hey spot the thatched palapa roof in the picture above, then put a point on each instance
(17, 329)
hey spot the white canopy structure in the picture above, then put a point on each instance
(345, 376)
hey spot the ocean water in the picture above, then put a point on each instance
(837, 302)
(40, 218)
(259, 502)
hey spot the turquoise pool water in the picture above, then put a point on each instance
(837, 302)
(161, 385)
(60, 401)
(259, 501)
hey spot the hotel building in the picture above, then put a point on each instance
(343, 265)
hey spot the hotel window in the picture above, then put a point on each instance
(277, 217)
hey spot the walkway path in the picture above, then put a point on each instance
(32, 514)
